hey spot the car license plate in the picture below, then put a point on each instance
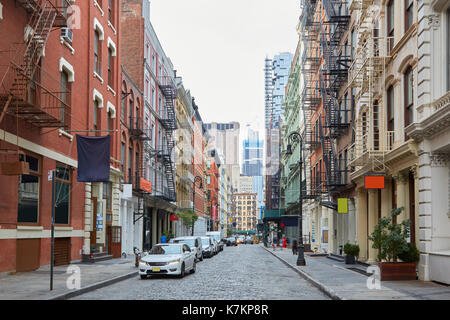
(156, 269)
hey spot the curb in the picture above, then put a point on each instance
(328, 291)
(94, 286)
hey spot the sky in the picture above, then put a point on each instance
(218, 47)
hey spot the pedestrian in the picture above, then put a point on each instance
(284, 242)
(294, 247)
(163, 239)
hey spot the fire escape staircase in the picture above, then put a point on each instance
(23, 73)
(170, 125)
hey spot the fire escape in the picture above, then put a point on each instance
(138, 130)
(310, 98)
(26, 90)
(169, 123)
(332, 77)
(366, 74)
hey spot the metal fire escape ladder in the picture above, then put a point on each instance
(25, 67)
(170, 125)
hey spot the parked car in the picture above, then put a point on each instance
(217, 236)
(168, 259)
(231, 241)
(215, 246)
(208, 247)
(249, 240)
(195, 243)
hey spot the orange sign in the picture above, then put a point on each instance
(374, 182)
(145, 185)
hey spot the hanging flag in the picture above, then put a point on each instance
(93, 158)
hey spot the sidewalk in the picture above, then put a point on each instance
(35, 285)
(339, 282)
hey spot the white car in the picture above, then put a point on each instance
(195, 243)
(168, 259)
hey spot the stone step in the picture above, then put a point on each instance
(96, 257)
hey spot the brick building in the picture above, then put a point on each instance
(54, 85)
(147, 65)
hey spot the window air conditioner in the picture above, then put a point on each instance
(67, 34)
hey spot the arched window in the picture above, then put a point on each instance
(131, 108)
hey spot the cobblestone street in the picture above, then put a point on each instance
(245, 272)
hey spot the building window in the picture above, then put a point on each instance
(28, 195)
(409, 98)
(107, 196)
(122, 155)
(390, 109)
(110, 68)
(131, 108)
(111, 11)
(409, 14)
(97, 54)
(65, 97)
(130, 162)
(390, 23)
(96, 116)
(62, 195)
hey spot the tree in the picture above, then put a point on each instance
(189, 217)
(390, 237)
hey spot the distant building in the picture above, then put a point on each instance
(245, 184)
(224, 137)
(245, 212)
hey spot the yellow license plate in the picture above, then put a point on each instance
(156, 269)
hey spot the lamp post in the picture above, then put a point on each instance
(293, 138)
(196, 179)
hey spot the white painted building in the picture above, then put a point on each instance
(432, 132)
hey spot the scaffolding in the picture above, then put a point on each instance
(373, 140)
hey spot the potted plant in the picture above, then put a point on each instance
(390, 238)
(351, 253)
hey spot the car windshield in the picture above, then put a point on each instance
(166, 250)
(189, 242)
(205, 241)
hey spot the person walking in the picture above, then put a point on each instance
(294, 247)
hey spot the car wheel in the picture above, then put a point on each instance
(143, 277)
(194, 268)
(182, 271)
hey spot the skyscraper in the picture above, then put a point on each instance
(253, 150)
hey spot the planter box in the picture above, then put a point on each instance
(350, 259)
(391, 271)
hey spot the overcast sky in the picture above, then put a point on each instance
(218, 47)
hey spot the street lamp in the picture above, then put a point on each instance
(293, 138)
(196, 179)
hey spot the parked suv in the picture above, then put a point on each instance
(195, 243)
